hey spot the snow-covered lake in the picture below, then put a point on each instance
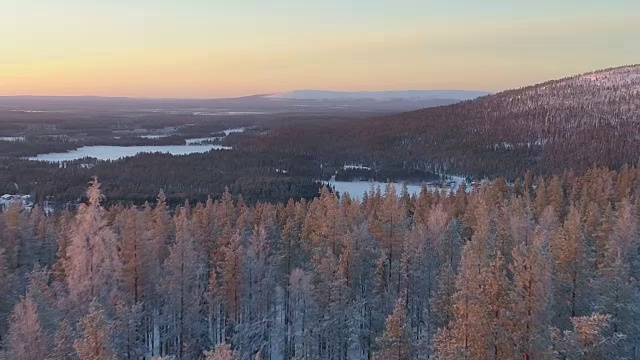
(192, 146)
(357, 189)
(119, 152)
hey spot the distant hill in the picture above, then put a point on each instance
(306, 101)
(417, 95)
(572, 123)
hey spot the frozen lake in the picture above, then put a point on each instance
(192, 146)
(119, 152)
(357, 189)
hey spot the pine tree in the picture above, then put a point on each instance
(127, 325)
(63, 343)
(7, 288)
(184, 286)
(624, 238)
(45, 293)
(254, 332)
(494, 301)
(221, 352)
(441, 303)
(134, 259)
(302, 307)
(530, 305)
(572, 270)
(466, 335)
(27, 340)
(12, 234)
(587, 340)
(618, 296)
(232, 273)
(541, 201)
(94, 342)
(395, 343)
(92, 264)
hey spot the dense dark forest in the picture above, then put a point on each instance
(138, 179)
(543, 268)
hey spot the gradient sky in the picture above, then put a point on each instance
(219, 48)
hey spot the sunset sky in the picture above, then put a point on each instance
(220, 48)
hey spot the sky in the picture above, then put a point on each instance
(226, 48)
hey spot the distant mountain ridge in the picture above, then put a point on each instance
(417, 95)
(297, 101)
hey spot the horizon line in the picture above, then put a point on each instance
(237, 97)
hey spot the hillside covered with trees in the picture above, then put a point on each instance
(546, 268)
(573, 123)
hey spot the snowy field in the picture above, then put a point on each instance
(119, 152)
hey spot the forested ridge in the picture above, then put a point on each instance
(543, 268)
(568, 124)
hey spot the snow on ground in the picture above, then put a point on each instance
(119, 152)
(12, 138)
(233, 131)
(356, 167)
(228, 113)
(357, 189)
(154, 137)
(199, 141)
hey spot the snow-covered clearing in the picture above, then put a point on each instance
(356, 189)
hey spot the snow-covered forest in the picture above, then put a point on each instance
(544, 268)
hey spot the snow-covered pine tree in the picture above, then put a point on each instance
(92, 263)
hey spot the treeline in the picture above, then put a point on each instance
(544, 268)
